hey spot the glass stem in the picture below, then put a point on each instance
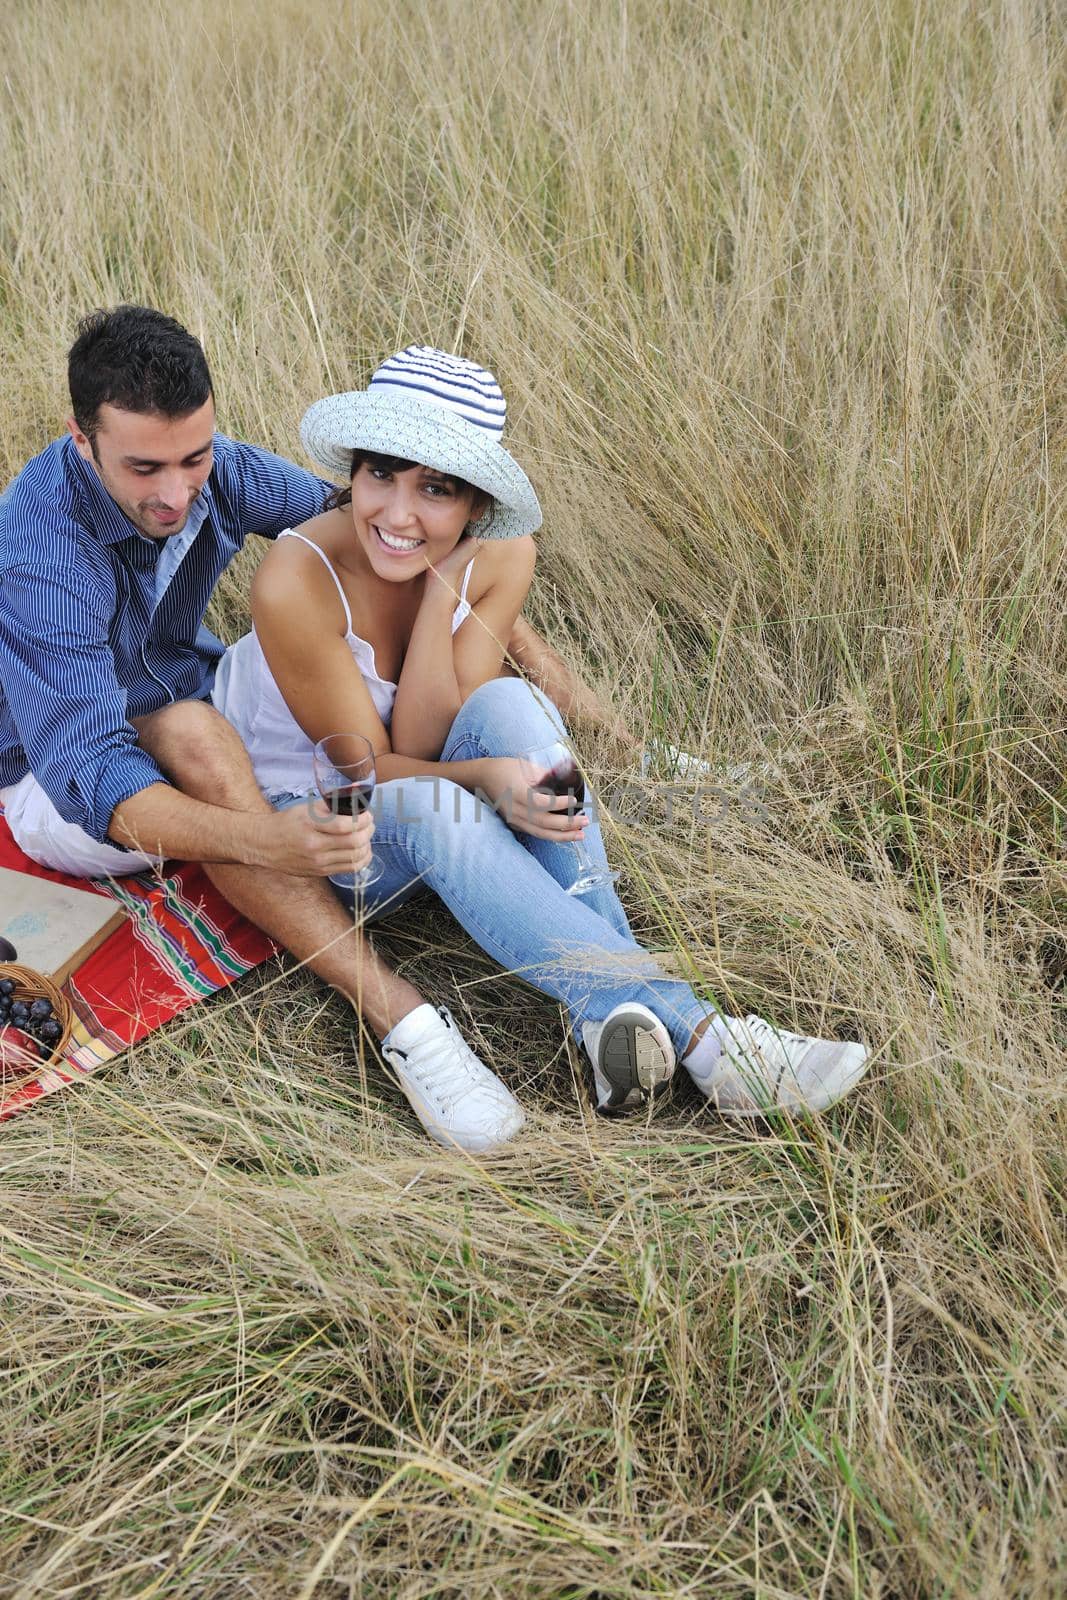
(585, 860)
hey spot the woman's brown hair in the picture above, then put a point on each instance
(383, 463)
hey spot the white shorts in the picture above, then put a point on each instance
(40, 832)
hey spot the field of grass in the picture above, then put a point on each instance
(778, 294)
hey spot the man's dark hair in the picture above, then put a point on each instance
(137, 359)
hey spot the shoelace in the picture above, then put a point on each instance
(765, 1033)
(434, 1074)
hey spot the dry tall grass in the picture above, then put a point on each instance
(778, 293)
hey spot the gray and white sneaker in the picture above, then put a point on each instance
(632, 1057)
(454, 1095)
(762, 1069)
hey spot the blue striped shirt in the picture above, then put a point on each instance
(83, 645)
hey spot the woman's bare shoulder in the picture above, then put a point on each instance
(294, 578)
(509, 561)
(325, 528)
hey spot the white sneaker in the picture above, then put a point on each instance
(454, 1095)
(762, 1068)
(679, 763)
(632, 1056)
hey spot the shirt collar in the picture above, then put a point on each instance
(108, 522)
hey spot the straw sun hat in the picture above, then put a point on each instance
(436, 410)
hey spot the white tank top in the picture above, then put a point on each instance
(248, 697)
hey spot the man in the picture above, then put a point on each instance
(111, 755)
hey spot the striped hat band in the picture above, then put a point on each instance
(432, 377)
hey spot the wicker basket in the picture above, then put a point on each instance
(31, 985)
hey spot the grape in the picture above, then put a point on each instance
(41, 1010)
(7, 987)
(20, 1012)
(50, 1029)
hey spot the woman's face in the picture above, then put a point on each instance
(404, 519)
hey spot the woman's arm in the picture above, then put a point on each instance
(481, 643)
(301, 628)
(442, 669)
(427, 694)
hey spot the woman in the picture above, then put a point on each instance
(384, 617)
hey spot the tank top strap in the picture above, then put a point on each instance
(291, 533)
(466, 579)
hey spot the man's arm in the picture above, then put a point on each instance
(106, 776)
(58, 677)
(307, 843)
(269, 493)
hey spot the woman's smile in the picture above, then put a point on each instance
(397, 543)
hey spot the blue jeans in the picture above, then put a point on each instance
(508, 889)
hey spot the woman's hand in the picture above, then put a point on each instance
(546, 816)
(447, 573)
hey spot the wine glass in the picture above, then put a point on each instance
(344, 773)
(552, 769)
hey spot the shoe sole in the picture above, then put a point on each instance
(634, 1062)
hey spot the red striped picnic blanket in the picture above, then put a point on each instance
(180, 943)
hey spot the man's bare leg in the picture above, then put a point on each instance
(548, 671)
(203, 756)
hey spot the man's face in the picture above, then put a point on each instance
(152, 466)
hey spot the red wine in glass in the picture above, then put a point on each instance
(344, 773)
(352, 799)
(566, 783)
(553, 770)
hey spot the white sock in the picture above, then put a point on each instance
(410, 1029)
